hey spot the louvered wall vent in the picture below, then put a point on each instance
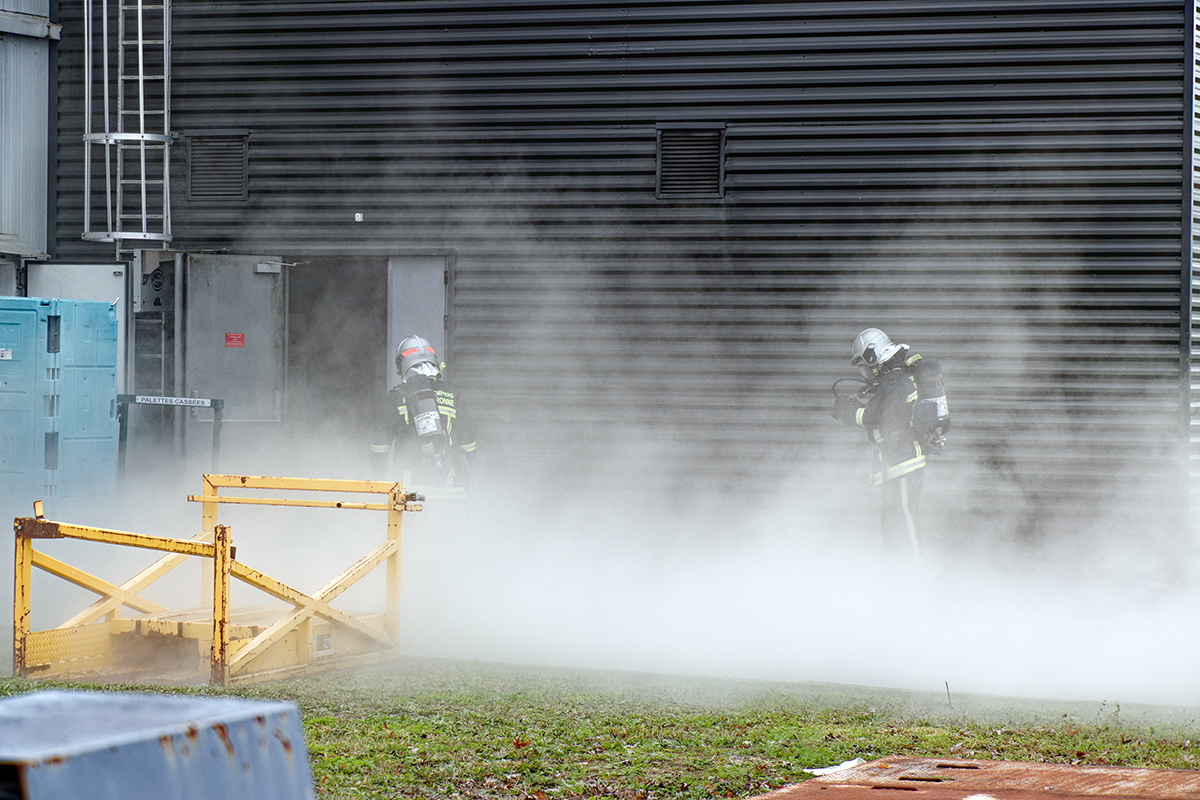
(217, 166)
(691, 162)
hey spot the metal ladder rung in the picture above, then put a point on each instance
(141, 104)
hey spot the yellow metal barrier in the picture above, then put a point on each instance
(243, 645)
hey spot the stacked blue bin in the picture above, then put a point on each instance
(58, 397)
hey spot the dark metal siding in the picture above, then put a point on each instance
(999, 183)
(1191, 309)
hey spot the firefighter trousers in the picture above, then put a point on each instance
(900, 521)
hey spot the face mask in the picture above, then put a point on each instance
(424, 368)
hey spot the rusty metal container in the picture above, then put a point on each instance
(912, 778)
(112, 746)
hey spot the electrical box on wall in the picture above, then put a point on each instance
(58, 395)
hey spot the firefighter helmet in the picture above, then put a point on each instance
(413, 351)
(872, 347)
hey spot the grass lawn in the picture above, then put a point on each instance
(450, 729)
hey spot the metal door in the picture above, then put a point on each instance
(417, 303)
(235, 334)
(104, 282)
(8, 278)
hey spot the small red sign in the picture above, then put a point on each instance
(235, 340)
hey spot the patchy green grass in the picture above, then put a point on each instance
(429, 729)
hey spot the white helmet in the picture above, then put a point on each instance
(871, 348)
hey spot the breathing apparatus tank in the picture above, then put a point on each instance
(932, 414)
(420, 399)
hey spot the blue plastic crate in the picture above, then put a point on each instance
(58, 395)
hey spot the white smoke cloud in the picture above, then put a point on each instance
(794, 591)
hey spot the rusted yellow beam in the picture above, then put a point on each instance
(297, 484)
(358, 569)
(391, 592)
(222, 559)
(94, 584)
(208, 515)
(22, 573)
(184, 630)
(45, 529)
(284, 501)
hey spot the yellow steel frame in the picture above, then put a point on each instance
(239, 653)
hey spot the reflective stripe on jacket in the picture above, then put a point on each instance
(888, 417)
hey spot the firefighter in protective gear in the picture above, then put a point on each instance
(885, 409)
(422, 426)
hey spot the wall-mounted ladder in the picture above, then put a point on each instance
(128, 160)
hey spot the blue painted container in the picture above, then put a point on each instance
(113, 746)
(58, 398)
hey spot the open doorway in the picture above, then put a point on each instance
(346, 315)
(337, 344)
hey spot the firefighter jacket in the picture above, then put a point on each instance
(437, 466)
(886, 413)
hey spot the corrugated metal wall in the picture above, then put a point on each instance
(1193, 311)
(24, 119)
(1001, 184)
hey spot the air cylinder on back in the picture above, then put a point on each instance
(933, 409)
(427, 421)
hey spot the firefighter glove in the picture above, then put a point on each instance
(844, 408)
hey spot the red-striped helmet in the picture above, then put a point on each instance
(415, 350)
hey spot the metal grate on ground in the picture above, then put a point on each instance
(957, 779)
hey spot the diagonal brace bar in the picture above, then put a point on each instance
(309, 604)
(135, 584)
(94, 584)
(331, 590)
